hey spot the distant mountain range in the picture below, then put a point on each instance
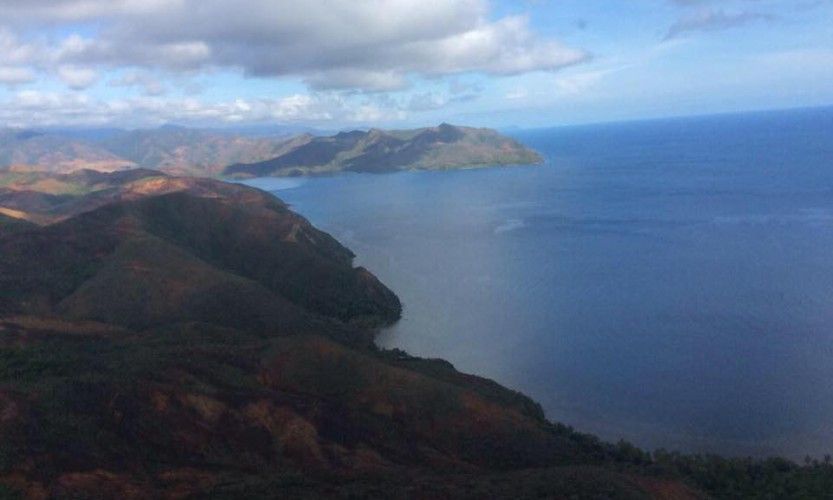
(208, 153)
(55, 153)
(171, 149)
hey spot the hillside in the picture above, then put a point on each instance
(181, 247)
(45, 198)
(174, 150)
(27, 149)
(184, 151)
(377, 151)
(169, 337)
(10, 224)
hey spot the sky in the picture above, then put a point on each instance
(400, 63)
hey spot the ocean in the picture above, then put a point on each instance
(666, 282)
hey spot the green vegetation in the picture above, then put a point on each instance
(774, 478)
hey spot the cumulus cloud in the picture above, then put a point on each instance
(371, 45)
(580, 83)
(149, 85)
(31, 108)
(15, 75)
(15, 52)
(358, 58)
(77, 78)
(429, 101)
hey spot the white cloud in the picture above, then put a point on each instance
(372, 45)
(77, 78)
(507, 47)
(31, 108)
(150, 86)
(356, 57)
(15, 52)
(348, 78)
(16, 75)
(579, 83)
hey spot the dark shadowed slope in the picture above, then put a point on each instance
(437, 148)
(10, 224)
(179, 247)
(196, 409)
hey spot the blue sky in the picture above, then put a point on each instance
(398, 63)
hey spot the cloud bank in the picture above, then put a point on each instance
(366, 45)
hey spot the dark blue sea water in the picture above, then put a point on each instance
(666, 282)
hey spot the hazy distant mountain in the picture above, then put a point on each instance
(435, 148)
(170, 149)
(193, 151)
(26, 149)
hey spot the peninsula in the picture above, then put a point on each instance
(377, 151)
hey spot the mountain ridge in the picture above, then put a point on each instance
(377, 151)
(209, 153)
